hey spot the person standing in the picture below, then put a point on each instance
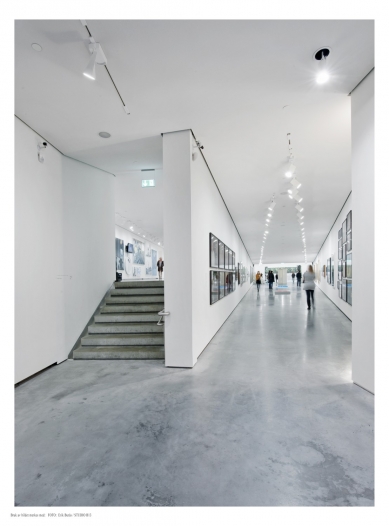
(271, 279)
(298, 276)
(293, 276)
(309, 285)
(276, 278)
(258, 279)
(160, 266)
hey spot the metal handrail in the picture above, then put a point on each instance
(162, 313)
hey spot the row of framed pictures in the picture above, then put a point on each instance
(345, 241)
(345, 288)
(220, 256)
(220, 284)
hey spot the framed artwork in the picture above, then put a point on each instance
(233, 281)
(119, 244)
(344, 290)
(226, 249)
(349, 221)
(233, 260)
(340, 253)
(349, 287)
(332, 273)
(349, 241)
(221, 254)
(137, 272)
(239, 276)
(340, 289)
(324, 271)
(344, 251)
(328, 271)
(221, 285)
(226, 281)
(344, 230)
(349, 266)
(213, 251)
(130, 248)
(139, 252)
(344, 269)
(340, 270)
(230, 265)
(340, 234)
(214, 286)
(338, 284)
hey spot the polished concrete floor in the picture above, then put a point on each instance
(268, 417)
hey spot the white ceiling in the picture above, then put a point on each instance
(229, 81)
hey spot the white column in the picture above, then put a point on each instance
(177, 225)
(362, 130)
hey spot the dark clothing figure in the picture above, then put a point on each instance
(160, 265)
(310, 297)
(270, 279)
(293, 276)
(298, 276)
(277, 278)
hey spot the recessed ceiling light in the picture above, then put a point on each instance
(36, 47)
(105, 135)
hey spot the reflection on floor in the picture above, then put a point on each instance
(268, 417)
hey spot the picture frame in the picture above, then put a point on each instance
(344, 251)
(340, 270)
(213, 251)
(349, 294)
(344, 230)
(349, 221)
(221, 285)
(349, 241)
(340, 233)
(340, 289)
(349, 266)
(233, 260)
(344, 289)
(226, 251)
(221, 254)
(214, 286)
(230, 266)
(328, 270)
(332, 272)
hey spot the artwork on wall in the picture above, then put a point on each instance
(349, 294)
(340, 248)
(137, 272)
(221, 285)
(344, 289)
(214, 286)
(349, 266)
(349, 221)
(344, 250)
(344, 230)
(149, 271)
(230, 265)
(213, 251)
(349, 241)
(233, 260)
(130, 248)
(119, 243)
(148, 251)
(226, 249)
(233, 280)
(324, 271)
(239, 276)
(340, 267)
(340, 288)
(332, 272)
(139, 252)
(153, 262)
(340, 233)
(221, 254)
(328, 270)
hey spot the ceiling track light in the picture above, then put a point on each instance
(299, 208)
(295, 183)
(321, 56)
(98, 57)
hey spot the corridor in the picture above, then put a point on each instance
(267, 417)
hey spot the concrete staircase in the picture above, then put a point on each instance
(126, 328)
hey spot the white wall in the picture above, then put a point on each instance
(64, 251)
(192, 209)
(330, 250)
(362, 140)
(128, 237)
(262, 267)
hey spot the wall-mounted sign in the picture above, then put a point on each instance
(148, 182)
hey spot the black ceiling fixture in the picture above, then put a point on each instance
(322, 53)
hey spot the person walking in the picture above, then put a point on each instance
(258, 279)
(160, 266)
(271, 279)
(293, 276)
(309, 285)
(276, 278)
(298, 276)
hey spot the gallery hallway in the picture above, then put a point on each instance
(267, 417)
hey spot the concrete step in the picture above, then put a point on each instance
(133, 299)
(121, 328)
(120, 353)
(138, 308)
(138, 284)
(138, 291)
(127, 318)
(110, 340)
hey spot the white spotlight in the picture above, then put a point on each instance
(299, 208)
(97, 57)
(269, 215)
(272, 206)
